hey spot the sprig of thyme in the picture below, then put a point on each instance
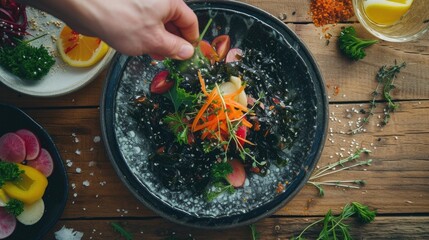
(334, 227)
(343, 164)
(385, 78)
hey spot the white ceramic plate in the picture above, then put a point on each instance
(61, 79)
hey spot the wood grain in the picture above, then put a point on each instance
(397, 182)
(269, 229)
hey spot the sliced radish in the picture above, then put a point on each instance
(221, 44)
(32, 144)
(234, 55)
(43, 163)
(7, 223)
(32, 213)
(12, 148)
(238, 175)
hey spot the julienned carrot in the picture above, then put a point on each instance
(217, 112)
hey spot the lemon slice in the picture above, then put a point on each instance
(386, 12)
(79, 50)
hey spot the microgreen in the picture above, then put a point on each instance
(342, 164)
(219, 172)
(178, 126)
(334, 227)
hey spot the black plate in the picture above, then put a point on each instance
(55, 197)
(249, 28)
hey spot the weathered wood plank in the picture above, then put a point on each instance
(399, 173)
(269, 228)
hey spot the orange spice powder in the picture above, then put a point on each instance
(330, 11)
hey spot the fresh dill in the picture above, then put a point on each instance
(334, 228)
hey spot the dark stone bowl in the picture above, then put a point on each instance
(55, 197)
(296, 69)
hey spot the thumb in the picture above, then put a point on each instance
(174, 46)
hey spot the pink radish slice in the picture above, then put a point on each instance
(234, 55)
(238, 175)
(7, 223)
(43, 163)
(32, 144)
(12, 148)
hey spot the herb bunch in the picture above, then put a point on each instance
(385, 78)
(26, 61)
(334, 227)
(342, 164)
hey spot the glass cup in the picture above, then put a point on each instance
(413, 24)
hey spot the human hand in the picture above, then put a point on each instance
(161, 28)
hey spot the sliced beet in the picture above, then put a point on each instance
(7, 223)
(32, 144)
(12, 148)
(43, 163)
(238, 175)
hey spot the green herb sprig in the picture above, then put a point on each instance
(220, 185)
(342, 165)
(255, 234)
(14, 207)
(385, 78)
(351, 45)
(9, 172)
(124, 233)
(334, 228)
(26, 61)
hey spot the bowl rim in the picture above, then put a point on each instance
(317, 144)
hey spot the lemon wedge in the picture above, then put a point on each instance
(78, 50)
(386, 12)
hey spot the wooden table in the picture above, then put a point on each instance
(397, 181)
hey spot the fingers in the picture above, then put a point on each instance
(186, 21)
(172, 46)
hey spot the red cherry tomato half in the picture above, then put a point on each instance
(221, 44)
(208, 51)
(241, 133)
(234, 55)
(160, 83)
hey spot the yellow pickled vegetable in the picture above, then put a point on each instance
(29, 188)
